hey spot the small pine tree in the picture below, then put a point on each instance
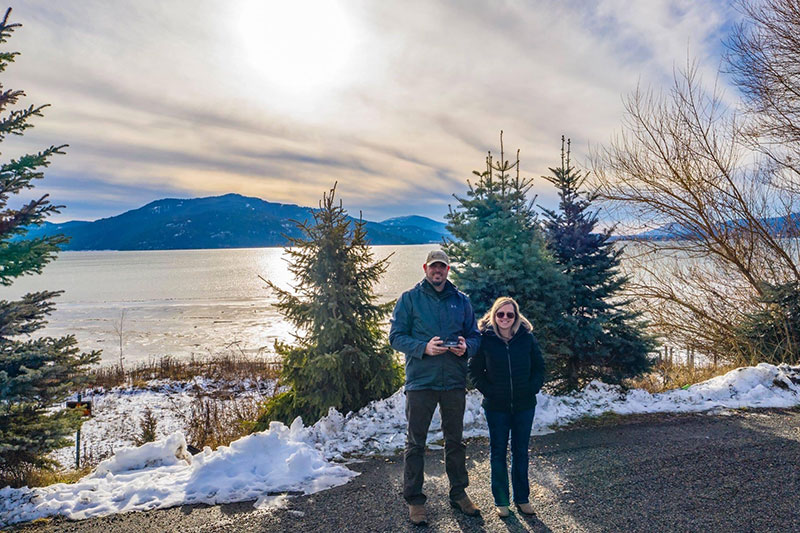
(35, 373)
(500, 250)
(771, 334)
(603, 338)
(341, 358)
(148, 427)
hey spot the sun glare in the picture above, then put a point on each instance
(297, 47)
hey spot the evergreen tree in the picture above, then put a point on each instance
(35, 373)
(341, 358)
(604, 338)
(771, 334)
(500, 250)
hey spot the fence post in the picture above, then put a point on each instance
(78, 444)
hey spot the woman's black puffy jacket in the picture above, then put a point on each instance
(509, 374)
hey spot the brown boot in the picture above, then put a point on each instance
(466, 506)
(417, 515)
(526, 508)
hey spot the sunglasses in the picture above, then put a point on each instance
(501, 314)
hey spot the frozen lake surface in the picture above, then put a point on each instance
(183, 302)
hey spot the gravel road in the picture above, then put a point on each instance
(730, 472)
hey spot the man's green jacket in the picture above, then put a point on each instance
(423, 313)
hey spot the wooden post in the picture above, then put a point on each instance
(78, 444)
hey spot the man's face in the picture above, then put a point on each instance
(436, 273)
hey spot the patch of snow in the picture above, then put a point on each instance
(281, 501)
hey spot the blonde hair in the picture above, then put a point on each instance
(489, 318)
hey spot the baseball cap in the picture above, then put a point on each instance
(437, 256)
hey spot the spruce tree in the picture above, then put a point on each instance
(771, 333)
(604, 339)
(499, 249)
(341, 357)
(36, 374)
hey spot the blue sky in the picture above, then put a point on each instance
(397, 101)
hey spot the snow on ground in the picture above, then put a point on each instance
(303, 459)
(163, 474)
(117, 413)
(379, 428)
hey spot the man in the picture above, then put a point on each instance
(434, 326)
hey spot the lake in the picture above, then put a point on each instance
(183, 302)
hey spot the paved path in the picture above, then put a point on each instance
(724, 473)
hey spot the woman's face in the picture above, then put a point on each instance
(505, 316)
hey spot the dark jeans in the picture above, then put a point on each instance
(500, 425)
(420, 405)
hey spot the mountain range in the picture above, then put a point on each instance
(228, 221)
(783, 226)
(236, 221)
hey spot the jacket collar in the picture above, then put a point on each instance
(426, 286)
(490, 332)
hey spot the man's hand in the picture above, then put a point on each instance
(434, 347)
(461, 348)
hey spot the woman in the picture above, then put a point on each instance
(509, 370)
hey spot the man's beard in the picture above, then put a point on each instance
(437, 284)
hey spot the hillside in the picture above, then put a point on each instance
(228, 221)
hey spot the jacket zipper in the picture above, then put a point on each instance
(510, 377)
(439, 322)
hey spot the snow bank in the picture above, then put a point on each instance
(298, 458)
(760, 386)
(161, 474)
(379, 428)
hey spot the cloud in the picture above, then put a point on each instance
(162, 97)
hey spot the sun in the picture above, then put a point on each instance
(297, 47)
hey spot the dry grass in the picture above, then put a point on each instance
(217, 419)
(217, 422)
(668, 376)
(227, 367)
(30, 476)
(42, 477)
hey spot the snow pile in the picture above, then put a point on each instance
(262, 466)
(168, 452)
(760, 386)
(161, 474)
(380, 427)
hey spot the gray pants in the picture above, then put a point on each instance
(420, 405)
